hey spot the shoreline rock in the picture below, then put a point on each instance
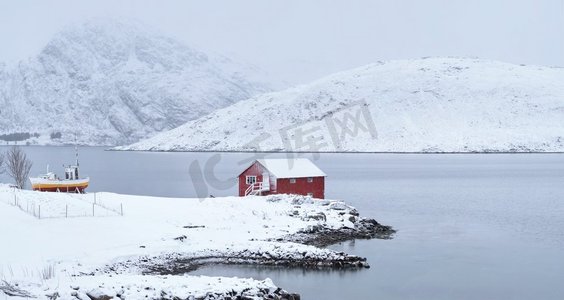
(182, 266)
(323, 236)
(245, 294)
(293, 256)
(126, 286)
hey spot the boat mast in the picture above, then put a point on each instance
(76, 149)
(76, 154)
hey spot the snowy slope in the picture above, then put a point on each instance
(113, 82)
(433, 104)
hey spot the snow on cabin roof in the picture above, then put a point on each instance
(291, 168)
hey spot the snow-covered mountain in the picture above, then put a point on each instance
(423, 105)
(111, 82)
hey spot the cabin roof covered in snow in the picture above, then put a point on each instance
(291, 168)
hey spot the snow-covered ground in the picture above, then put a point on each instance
(422, 105)
(76, 255)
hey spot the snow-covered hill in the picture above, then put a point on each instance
(433, 104)
(113, 82)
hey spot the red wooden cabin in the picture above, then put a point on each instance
(282, 176)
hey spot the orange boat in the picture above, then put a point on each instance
(50, 182)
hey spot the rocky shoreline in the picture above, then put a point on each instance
(158, 288)
(322, 236)
(317, 236)
(178, 263)
(244, 294)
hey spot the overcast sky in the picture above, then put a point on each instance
(298, 41)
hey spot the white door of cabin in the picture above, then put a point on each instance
(265, 182)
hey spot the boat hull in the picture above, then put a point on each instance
(63, 186)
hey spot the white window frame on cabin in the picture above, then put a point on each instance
(292, 180)
(249, 181)
(309, 179)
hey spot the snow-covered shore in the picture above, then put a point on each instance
(146, 247)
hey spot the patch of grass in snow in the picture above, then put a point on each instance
(46, 272)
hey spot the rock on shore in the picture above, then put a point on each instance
(105, 287)
(266, 253)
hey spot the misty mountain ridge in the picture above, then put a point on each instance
(420, 105)
(109, 82)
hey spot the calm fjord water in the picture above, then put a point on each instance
(470, 226)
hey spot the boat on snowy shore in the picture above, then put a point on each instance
(50, 182)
